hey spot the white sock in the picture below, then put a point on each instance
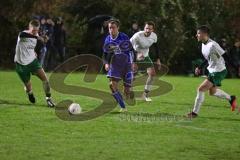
(28, 92)
(198, 101)
(149, 82)
(221, 94)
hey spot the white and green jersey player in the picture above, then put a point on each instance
(141, 42)
(27, 63)
(213, 54)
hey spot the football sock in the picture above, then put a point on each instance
(29, 92)
(117, 95)
(198, 101)
(148, 84)
(46, 88)
(221, 94)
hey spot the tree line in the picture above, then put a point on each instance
(176, 22)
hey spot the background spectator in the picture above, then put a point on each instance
(235, 54)
(59, 36)
(134, 28)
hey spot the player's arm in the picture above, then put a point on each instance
(39, 46)
(199, 69)
(157, 52)
(133, 52)
(106, 60)
(134, 59)
(225, 56)
(107, 56)
(134, 42)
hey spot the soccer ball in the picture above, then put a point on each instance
(74, 108)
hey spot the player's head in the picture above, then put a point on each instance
(113, 27)
(34, 26)
(149, 28)
(202, 33)
(135, 25)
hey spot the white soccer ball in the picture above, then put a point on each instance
(74, 108)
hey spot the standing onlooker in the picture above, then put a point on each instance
(235, 54)
(50, 47)
(134, 29)
(59, 38)
(42, 33)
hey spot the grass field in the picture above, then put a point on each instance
(35, 132)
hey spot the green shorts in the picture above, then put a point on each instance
(217, 77)
(145, 63)
(25, 71)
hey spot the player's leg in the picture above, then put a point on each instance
(216, 79)
(24, 74)
(128, 80)
(46, 86)
(28, 89)
(204, 86)
(215, 91)
(151, 73)
(115, 93)
(115, 75)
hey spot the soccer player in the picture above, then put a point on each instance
(141, 42)
(27, 62)
(214, 56)
(118, 61)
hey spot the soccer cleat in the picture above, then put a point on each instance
(31, 98)
(233, 102)
(49, 102)
(192, 115)
(123, 110)
(146, 98)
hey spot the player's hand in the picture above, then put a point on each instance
(140, 56)
(134, 67)
(45, 38)
(197, 71)
(40, 38)
(107, 67)
(159, 64)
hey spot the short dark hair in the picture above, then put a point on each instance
(114, 21)
(204, 29)
(34, 23)
(150, 23)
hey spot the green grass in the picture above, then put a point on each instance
(35, 132)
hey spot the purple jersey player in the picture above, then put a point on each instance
(118, 61)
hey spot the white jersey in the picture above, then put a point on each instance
(212, 52)
(141, 43)
(26, 44)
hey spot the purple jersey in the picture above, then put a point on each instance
(120, 45)
(120, 52)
